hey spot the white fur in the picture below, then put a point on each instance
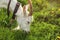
(21, 19)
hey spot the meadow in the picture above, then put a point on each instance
(45, 26)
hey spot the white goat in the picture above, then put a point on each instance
(23, 16)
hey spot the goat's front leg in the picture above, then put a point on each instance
(17, 28)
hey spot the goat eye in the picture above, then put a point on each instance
(28, 22)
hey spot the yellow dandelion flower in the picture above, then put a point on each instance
(59, 9)
(58, 37)
(53, 8)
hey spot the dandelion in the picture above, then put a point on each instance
(59, 9)
(58, 37)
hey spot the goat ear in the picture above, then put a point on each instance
(24, 7)
(27, 6)
(25, 10)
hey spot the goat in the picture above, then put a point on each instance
(23, 16)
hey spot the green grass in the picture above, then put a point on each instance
(40, 30)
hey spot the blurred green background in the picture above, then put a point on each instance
(46, 24)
